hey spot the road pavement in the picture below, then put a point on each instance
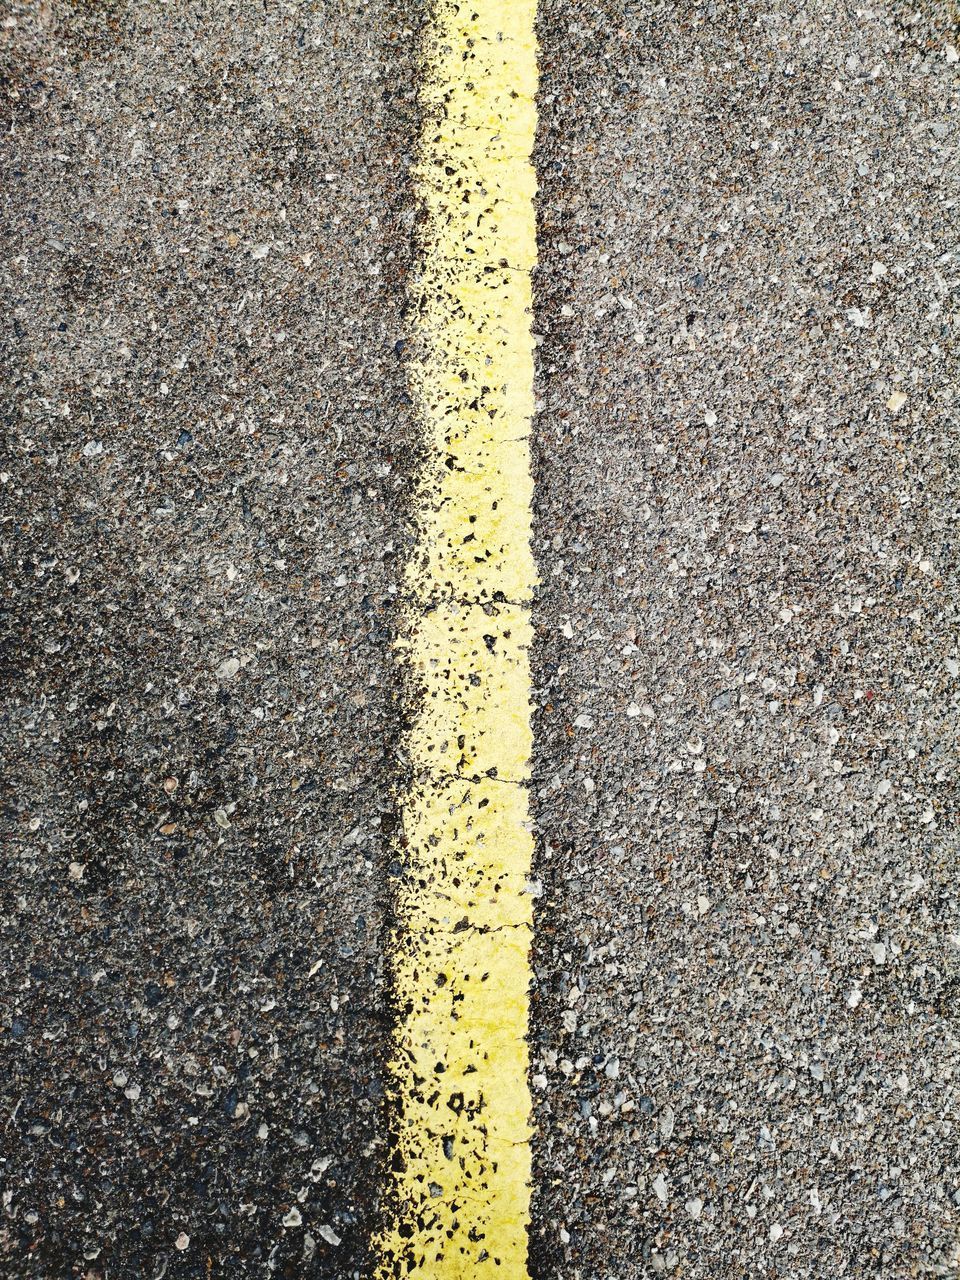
(744, 672)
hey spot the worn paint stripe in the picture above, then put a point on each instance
(461, 951)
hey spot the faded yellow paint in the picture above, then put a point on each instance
(461, 953)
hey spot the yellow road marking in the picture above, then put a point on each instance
(461, 968)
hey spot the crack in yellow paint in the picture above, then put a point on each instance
(461, 952)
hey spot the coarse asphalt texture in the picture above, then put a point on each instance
(744, 1039)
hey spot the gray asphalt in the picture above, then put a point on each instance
(745, 1048)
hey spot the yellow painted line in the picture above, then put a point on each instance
(461, 970)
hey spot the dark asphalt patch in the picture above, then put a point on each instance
(205, 492)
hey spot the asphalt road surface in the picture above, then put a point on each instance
(744, 672)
